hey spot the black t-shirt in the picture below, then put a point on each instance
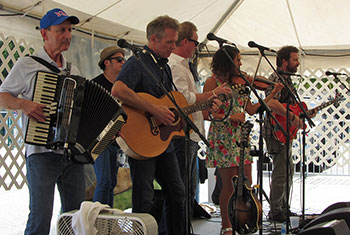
(103, 81)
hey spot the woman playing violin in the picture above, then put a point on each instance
(223, 136)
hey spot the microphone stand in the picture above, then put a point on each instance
(264, 107)
(260, 152)
(261, 143)
(303, 169)
(305, 115)
(337, 79)
(188, 125)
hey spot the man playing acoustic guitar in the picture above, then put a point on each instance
(141, 95)
(288, 61)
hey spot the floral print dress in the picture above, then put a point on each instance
(224, 137)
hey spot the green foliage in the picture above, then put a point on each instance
(16, 55)
(122, 201)
(156, 185)
(5, 53)
(21, 48)
(11, 45)
(4, 73)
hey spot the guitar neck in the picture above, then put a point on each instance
(322, 106)
(241, 171)
(208, 103)
(245, 130)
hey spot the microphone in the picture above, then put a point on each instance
(122, 43)
(288, 73)
(211, 37)
(261, 48)
(329, 73)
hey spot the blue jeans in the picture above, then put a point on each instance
(44, 171)
(106, 170)
(165, 170)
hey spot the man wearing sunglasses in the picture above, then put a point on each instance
(187, 82)
(106, 165)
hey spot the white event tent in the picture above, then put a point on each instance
(319, 28)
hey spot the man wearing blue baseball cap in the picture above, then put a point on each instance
(45, 167)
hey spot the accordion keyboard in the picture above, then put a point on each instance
(37, 132)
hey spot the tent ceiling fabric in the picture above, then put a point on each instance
(319, 24)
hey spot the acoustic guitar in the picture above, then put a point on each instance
(297, 111)
(142, 136)
(244, 208)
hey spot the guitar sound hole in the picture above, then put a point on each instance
(177, 116)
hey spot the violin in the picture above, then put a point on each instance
(260, 82)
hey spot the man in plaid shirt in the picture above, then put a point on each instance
(287, 61)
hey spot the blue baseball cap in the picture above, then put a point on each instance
(56, 16)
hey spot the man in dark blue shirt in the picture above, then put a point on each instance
(162, 33)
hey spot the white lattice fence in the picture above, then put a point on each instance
(327, 144)
(12, 159)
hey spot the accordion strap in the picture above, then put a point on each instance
(50, 66)
(46, 64)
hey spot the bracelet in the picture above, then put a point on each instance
(213, 92)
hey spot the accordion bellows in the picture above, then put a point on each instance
(82, 116)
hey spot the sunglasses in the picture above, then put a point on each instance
(119, 59)
(196, 43)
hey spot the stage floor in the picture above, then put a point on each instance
(321, 192)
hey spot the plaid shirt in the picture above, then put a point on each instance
(282, 96)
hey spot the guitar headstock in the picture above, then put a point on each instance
(338, 97)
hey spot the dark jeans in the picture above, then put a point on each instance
(179, 144)
(165, 170)
(106, 170)
(44, 171)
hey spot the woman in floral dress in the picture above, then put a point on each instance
(224, 136)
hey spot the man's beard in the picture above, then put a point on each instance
(292, 69)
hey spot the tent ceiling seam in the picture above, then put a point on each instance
(205, 8)
(100, 12)
(234, 6)
(294, 26)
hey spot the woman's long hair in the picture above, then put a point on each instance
(222, 66)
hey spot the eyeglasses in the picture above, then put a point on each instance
(196, 43)
(119, 59)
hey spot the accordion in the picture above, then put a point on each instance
(82, 117)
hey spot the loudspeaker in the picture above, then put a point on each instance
(336, 206)
(336, 214)
(334, 227)
(198, 211)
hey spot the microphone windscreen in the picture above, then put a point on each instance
(122, 43)
(251, 44)
(328, 73)
(211, 36)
